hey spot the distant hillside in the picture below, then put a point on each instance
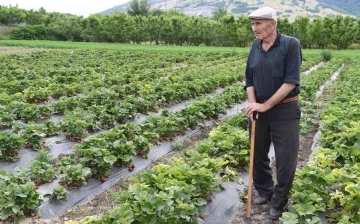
(346, 6)
(285, 8)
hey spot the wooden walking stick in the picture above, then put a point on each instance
(252, 144)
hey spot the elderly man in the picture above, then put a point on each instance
(272, 86)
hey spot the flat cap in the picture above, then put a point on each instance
(263, 13)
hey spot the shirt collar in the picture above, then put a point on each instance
(277, 40)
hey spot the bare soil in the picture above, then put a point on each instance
(20, 50)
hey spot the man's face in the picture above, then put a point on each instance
(262, 28)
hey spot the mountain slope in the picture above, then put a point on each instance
(347, 6)
(285, 8)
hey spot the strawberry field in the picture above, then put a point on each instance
(75, 122)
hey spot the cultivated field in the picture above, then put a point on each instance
(141, 133)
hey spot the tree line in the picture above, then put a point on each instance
(172, 28)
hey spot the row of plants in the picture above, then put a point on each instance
(33, 135)
(310, 84)
(222, 142)
(227, 141)
(103, 112)
(30, 136)
(309, 61)
(79, 122)
(166, 193)
(121, 143)
(63, 68)
(174, 192)
(95, 156)
(18, 195)
(151, 97)
(103, 104)
(330, 181)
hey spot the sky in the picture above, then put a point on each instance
(77, 7)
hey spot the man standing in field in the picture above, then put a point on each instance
(272, 86)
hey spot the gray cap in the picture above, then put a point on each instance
(263, 13)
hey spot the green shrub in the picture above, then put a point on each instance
(326, 55)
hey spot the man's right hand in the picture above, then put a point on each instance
(251, 115)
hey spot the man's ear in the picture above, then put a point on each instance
(274, 24)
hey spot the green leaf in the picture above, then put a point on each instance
(289, 218)
(16, 209)
(201, 202)
(304, 209)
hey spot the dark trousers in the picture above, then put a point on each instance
(281, 125)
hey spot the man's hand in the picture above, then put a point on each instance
(255, 107)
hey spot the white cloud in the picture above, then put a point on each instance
(77, 7)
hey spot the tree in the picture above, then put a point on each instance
(138, 7)
(319, 35)
(284, 26)
(301, 30)
(116, 26)
(157, 12)
(219, 13)
(244, 33)
(343, 32)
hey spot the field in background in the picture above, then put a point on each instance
(112, 46)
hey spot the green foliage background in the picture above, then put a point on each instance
(170, 28)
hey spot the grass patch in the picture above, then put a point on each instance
(114, 46)
(143, 47)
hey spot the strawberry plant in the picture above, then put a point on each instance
(60, 106)
(50, 128)
(10, 145)
(65, 161)
(75, 175)
(142, 145)
(192, 114)
(46, 110)
(16, 108)
(18, 200)
(150, 135)
(30, 112)
(34, 136)
(123, 150)
(20, 176)
(98, 141)
(238, 121)
(75, 129)
(6, 119)
(170, 193)
(330, 181)
(5, 98)
(228, 142)
(104, 119)
(35, 94)
(18, 196)
(126, 131)
(123, 111)
(98, 160)
(41, 168)
(59, 193)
